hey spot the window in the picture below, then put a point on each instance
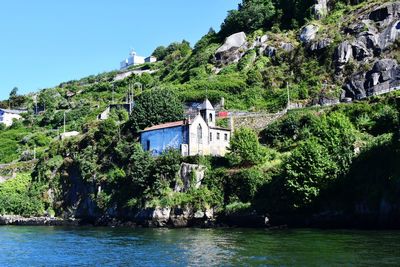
(210, 137)
(211, 117)
(199, 133)
(148, 145)
(218, 136)
(226, 137)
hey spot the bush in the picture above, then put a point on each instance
(19, 196)
(237, 207)
(168, 165)
(245, 184)
(139, 170)
(307, 170)
(245, 150)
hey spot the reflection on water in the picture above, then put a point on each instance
(52, 246)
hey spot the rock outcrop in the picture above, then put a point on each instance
(320, 9)
(383, 77)
(320, 44)
(153, 217)
(35, 221)
(373, 32)
(176, 217)
(270, 51)
(191, 175)
(372, 36)
(287, 47)
(343, 54)
(308, 33)
(180, 217)
(232, 50)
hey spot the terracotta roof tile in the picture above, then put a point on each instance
(164, 125)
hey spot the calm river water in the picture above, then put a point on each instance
(57, 246)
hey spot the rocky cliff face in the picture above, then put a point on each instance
(362, 45)
(368, 44)
(232, 50)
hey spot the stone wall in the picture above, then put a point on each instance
(256, 121)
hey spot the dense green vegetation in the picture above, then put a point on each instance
(22, 197)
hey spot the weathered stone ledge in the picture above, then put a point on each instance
(36, 221)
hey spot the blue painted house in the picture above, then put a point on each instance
(161, 137)
(197, 136)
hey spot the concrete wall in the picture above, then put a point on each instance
(207, 146)
(135, 60)
(162, 139)
(219, 146)
(198, 146)
(150, 59)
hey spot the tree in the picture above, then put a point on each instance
(14, 92)
(13, 95)
(160, 52)
(250, 16)
(245, 149)
(154, 107)
(168, 165)
(87, 163)
(140, 170)
(106, 134)
(307, 170)
(336, 133)
(293, 13)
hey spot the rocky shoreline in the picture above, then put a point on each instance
(36, 221)
(149, 218)
(167, 218)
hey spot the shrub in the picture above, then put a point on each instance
(19, 196)
(245, 149)
(237, 207)
(246, 183)
(168, 165)
(307, 170)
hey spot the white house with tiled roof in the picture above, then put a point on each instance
(193, 136)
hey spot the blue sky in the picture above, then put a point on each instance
(46, 42)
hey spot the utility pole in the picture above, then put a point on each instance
(288, 96)
(112, 102)
(64, 122)
(34, 152)
(36, 110)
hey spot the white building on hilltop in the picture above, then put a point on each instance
(8, 115)
(134, 59)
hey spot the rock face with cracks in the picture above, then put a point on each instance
(232, 50)
(369, 41)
